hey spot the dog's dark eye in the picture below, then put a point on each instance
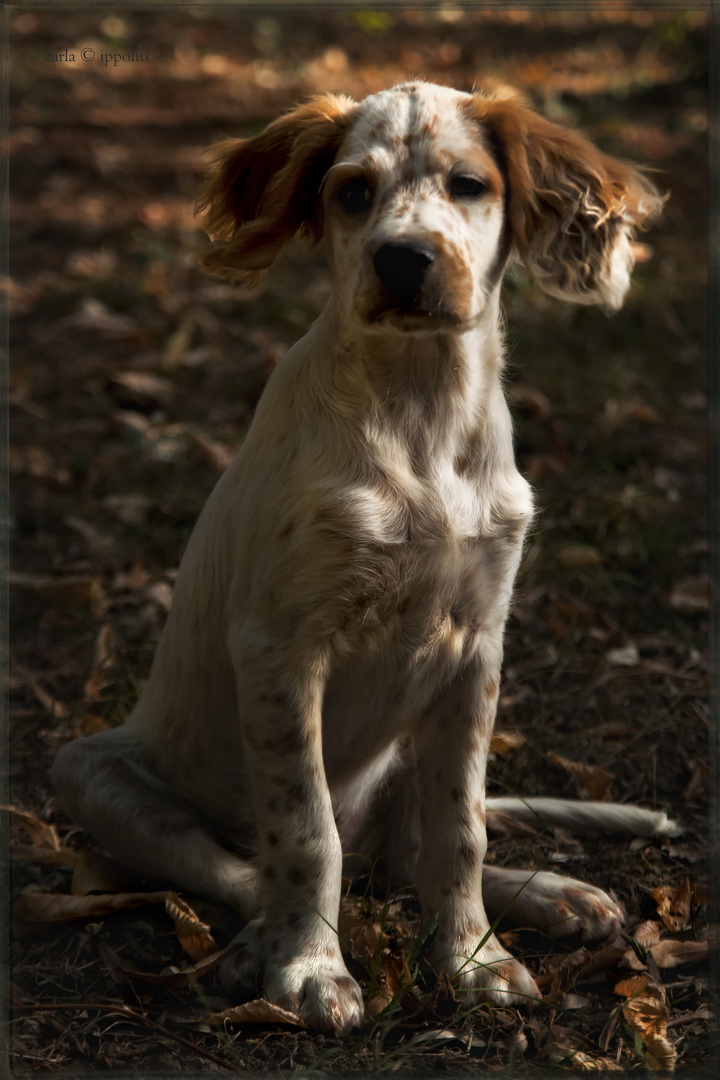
(355, 196)
(465, 187)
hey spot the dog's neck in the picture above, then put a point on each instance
(433, 388)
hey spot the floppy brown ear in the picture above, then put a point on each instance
(263, 190)
(572, 209)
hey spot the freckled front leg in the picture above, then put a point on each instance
(452, 746)
(300, 859)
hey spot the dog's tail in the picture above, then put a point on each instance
(580, 817)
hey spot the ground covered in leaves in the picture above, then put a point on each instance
(132, 380)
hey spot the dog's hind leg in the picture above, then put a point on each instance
(106, 786)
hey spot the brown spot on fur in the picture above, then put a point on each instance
(272, 839)
(296, 876)
(269, 873)
(454, 794)
(293, 920)
(468, 855)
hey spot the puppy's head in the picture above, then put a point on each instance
(423, 193)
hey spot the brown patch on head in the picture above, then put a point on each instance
(272, 839)
(454, 794)
(269, 873)
(287, 530)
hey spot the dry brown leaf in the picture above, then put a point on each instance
(367, 941)
(624, 656)
(660, 1054)
(504, 742)
(178, 343)
(673, 904)
(194, 935)
(71, 592)
(42, 834)
(88, 725)
(142, 388)
(670, 954)
(95, 316)
(647, 933)
(213, 453)
(646, 1012)
(170, 977)
(258, 1012)
(692, 595)
(35, 461)
(596, 781)
(36, 910)
(24, 677)
(103, 665)
(30, 853)
(576, 556)
(132, 508)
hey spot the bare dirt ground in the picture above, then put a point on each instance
(133, 378)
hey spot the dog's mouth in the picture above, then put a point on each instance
(416, 318)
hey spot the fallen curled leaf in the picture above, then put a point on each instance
(42, 834)
(258, 1012)
(624, 656)
(215, 454)
(577, 556)
(172, 978)
(367, 940)
(194, 935)
(660, 1054)
(88, 725)
(37, 910)
(673, 904)
(596, 781)
(503, 742)
(63, 592)
(670, 954)
(104, 664)
(646, 1012)
(692, 595)
(132, 508)
(35, 461)
(142, 388)
(647, 933)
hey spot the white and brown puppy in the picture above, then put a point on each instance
(328, 677)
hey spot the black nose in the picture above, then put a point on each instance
(401, 268)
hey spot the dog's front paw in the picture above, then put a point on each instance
(322, 993)
(486, 973)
